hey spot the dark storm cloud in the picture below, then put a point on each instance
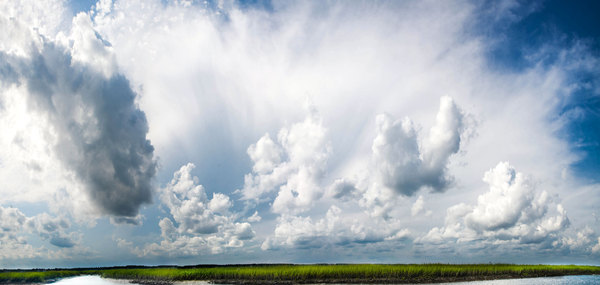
(100, 132)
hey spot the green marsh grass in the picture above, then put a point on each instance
(350, 273)
(35, 276)
(342, 273)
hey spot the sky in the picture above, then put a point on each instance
(188, 132)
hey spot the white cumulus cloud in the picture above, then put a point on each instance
(334, 229)
(199, 224)
(406, 165)
(512, 211)
(293, 167)
(18, 230)
(418, 208)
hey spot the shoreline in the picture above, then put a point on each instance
(439, 280)
(447, 280)
(372, 281)
(305, 274)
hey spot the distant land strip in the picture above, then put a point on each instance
(304, 273)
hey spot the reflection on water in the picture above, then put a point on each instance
(89, 280)
(97, 280)
(564, 280)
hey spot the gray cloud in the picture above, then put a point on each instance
(136, 221)
(11, 221)
(14, 225)
(62, 242)
(52, 229)
(100, 132)
(7, 73)
(406, 165)
(343, 188)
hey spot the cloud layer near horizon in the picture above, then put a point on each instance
(190, 132)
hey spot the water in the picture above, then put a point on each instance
(89, 280)
(563, 280)
(97, 280)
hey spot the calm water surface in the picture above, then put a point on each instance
(89, 280)
(564, 280)
(96, 280)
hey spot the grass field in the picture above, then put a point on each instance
(34, 276)
(342, 273)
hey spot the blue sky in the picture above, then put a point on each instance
(185, 132)
(553, 22)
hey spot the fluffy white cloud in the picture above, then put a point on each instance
(398, 158)
(379, 201)
(88, 47)
(578, 242)
(596, 247)
(47, 18)
(405, 165)
(17, 230)
(255, 217)
(11, 223)
(266, 156)
(419, 208)
(294, 166)
(214, 79)
(512, 211)
(199, 224)
(510, 200)
(334, 229)
(52, 229)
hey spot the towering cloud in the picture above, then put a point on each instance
(405, 165)
(294, 166)
(510, 199)
(199, 225)
(94, 126)
(511, 212)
